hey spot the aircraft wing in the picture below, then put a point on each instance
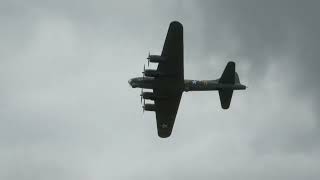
(173, 52)
(171, 85)
(166, 111)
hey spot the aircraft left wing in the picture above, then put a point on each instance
(173, 53)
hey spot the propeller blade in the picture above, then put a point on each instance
(148, 58)
(144, 103)
(144, 69)
(143, 109)
(141, 95)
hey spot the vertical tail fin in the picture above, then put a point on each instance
(237, 80)
(229, 76)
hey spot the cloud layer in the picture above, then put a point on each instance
(67, 111)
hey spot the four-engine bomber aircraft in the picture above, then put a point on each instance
(168, 83)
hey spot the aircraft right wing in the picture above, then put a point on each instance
(166, 111)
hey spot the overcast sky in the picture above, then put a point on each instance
(67, 111)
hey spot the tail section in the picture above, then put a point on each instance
(229, 81)
(237, 80)
(228, 75)
(225, 98)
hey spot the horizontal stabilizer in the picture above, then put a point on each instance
(228, 75)
(225, 97)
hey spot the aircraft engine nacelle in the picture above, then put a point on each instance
(152, 73)
(149, 107)
(156, 58)
(148, 95)
(151, 96)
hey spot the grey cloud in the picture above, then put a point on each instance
(267, 32)
(284, 33)
(67, 111)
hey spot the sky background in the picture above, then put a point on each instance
(67, 111)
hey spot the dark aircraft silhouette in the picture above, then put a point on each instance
(168, 83)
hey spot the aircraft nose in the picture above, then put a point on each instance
(132, 83)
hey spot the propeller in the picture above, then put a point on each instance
(144, 69)
(148, 58)
(141, 95)
(144, 103)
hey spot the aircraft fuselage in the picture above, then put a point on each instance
(189, 85)
(209, 85)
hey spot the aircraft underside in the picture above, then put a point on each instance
(167, 82)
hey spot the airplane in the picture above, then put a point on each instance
(167, 82)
